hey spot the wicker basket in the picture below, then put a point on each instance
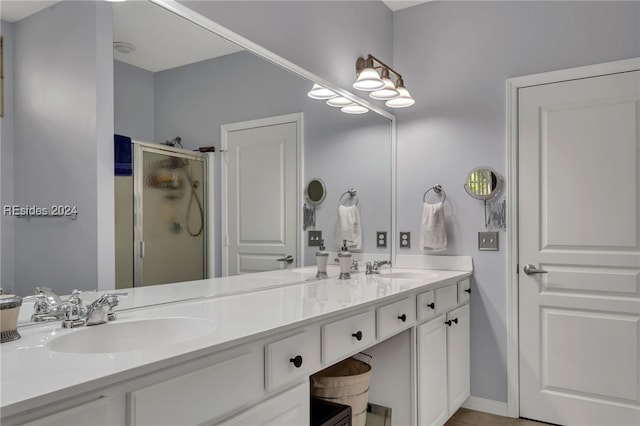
(346, 382)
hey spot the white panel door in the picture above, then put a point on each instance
(579, 220)
(458, 357)
(262, 182)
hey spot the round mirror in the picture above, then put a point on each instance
(315, 191)
(483, 183)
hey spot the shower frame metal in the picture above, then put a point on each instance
(139, 147)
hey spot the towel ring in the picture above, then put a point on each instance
(353, 193)
(438, 190)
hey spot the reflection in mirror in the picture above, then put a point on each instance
(315, 191)
(483, 183)
(57, 143)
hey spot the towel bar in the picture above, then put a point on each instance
(353, 193)
(438, 190)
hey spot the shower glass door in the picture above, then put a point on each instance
(170, 215)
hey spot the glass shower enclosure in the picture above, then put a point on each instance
(169, 215)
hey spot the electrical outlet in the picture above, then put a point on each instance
(314, 238)
(381, 239)
(405, 239)
(488, 241)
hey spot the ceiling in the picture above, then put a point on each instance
(162, 40)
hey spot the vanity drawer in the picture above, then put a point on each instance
(464, 290)
(396, 317)
(446, 298)
(198, 397)
(282, 364)
(348, 336)
(426, 305)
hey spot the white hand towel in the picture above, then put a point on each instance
(349, 227)
(433, 235)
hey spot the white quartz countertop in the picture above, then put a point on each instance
(30, 371)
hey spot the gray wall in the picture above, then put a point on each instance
(62, 105)
(325, 37)
(6, 160)
(133, 101)
(456, 57)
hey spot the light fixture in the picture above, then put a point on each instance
(319, 92)
(354, 109)
(388, 91)
(339, 102)
(403, 99)
(380, 85)
(123, 47)
(368, 78)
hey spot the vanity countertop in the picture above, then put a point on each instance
(32, 373)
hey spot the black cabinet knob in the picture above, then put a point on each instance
(453, 321)
(468, 291)
(448, 323)
(402, 318)
(358, 335)
(431, 305)
(297, 361)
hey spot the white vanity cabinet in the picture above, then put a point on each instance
(99, 412)
(291, 408)
(443, 360)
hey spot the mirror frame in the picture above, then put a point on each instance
(206, 23)
(324, 191)
(496, 190)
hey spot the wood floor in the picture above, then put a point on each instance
(465, 417)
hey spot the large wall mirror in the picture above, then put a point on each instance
(182, 80)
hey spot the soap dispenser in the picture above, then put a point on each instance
(322, 258)
(344, 257)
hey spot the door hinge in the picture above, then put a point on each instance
(517, 268)
(226, 241)
(141, 249)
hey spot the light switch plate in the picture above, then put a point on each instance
(381, 239)
(314, 238)
(488, 241)
(405, 239)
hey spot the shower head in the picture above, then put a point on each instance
(175, 141)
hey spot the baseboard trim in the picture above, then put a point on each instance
(486, 406)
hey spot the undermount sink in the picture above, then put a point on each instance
(408, 275)
(131, 335)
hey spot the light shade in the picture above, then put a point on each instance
(388, 91)
(403, 100)
(354, 109)
(368, 78)
(319, 92)
(339, 102)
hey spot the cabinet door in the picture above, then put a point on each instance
(290, 408)
(432, 372)
(458, 357)
(95, 413)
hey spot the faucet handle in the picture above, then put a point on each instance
(50, 296)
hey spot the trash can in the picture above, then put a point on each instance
(327, 413)
(346, 382)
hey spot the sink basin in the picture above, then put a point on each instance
(408, 275)
(131, 335)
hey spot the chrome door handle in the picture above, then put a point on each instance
(288, 259)
(530, 270)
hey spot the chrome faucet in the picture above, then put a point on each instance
(355, 266)
(373, 268)
(49, 306)
(98, 312)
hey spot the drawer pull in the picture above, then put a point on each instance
(297, 361)
(431, 305)
(468, 291)
(358, 335)
(455, 321)
(402, 318)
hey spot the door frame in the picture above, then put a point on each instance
(513, 86)
(138, 148)
(225, 129)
